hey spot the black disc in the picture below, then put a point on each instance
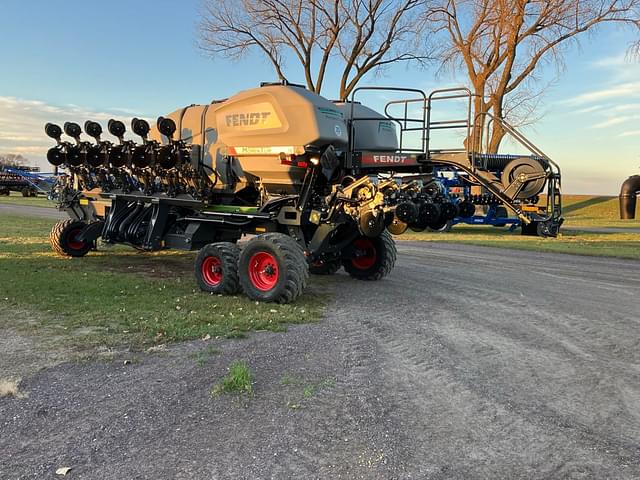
(140, 158)
(55, 156)
(429, 212)
(448, 210)
(467, 209)
(117, 156)
(74, 158)
(407, 212)
(94, 156)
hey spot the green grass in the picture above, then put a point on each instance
(594, 211)
(118, 296)
(623, 245)
(16, 198)
(578, 210)
(238, 380)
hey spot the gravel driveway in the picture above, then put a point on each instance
(467, 362)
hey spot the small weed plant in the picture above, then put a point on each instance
(238, 380)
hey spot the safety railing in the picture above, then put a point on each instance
(405, 123)
(411, 123)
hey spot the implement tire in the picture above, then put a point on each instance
(371, 258)
(63, 239)
(216, 268)
(273, 268)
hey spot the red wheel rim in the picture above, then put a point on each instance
(263, 271)
(364, 255)
(72, 239)
(212, 270)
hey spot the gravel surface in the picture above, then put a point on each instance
(45, 212)
(466, 362)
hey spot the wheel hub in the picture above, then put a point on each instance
(73, 241)
(263, 271)
(212, 270)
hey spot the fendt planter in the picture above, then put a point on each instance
(319, 185)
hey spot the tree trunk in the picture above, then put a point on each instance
(474, 144)
(497, 130)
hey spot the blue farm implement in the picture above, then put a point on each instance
(27, 180)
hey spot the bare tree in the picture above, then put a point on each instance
(357, 36)
(12, 160)
(634, 51)
(501, 44)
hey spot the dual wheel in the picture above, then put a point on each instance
(270, 268)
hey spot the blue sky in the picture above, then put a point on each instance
(78, 60)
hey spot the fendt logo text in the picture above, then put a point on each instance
(389, 158)
(247, 119)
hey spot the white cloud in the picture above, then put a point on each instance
(623, 90)
(630, 133)
(609, 123)
(22, 124)
(619, 67)
(613, 61)
(593, 108)
(626, 107)
(617, 120)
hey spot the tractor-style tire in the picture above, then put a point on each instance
(372, 258)
(63, 239)
(322, 267)
(216, 268)
(273, 268)
(5, 191)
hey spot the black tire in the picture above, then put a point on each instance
(501, 212)
(63, 241)
(5, 191)
(26, 192)
(444, 228)
(273, 268)
(216, 268)
(377, 261)
(325, 267)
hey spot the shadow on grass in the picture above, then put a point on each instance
(584, 204)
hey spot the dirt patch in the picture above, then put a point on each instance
(24, 353)
(151, 265)
(11, 388)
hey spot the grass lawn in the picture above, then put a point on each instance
(16, 198)
(118, 296)
(593, 211)
(579, 211)
(624, 245)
